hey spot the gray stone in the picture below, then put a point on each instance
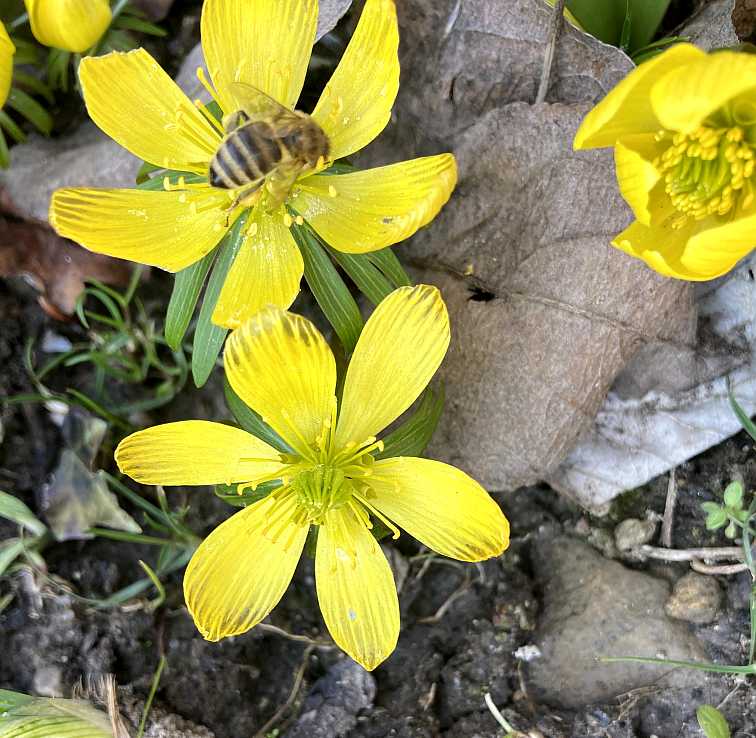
(632, 532)
(48, 681)
(594, 607)
(695, 598)
(335, 700)
(544, 312)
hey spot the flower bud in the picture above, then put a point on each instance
(73, 25)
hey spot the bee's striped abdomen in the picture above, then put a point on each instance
(246, 155)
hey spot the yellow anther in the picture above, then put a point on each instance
(299, 220)
(332, 191)
(288, 221)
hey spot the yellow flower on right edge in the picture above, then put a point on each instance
(683, 128)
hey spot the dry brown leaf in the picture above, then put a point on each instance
(56, 267)
(545, 313)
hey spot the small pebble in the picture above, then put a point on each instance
(695, 598)
(633, 532)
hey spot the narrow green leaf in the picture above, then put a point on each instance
(229, 494)
(742, 416)
(626, 28)
(412, 437)
(386, 261)
(368, 278)
(32, 83)
(712, 722)
(10, 550)
(132, 23)
(251, 421)
(13, 129)
(208, 337)
(4, 153)
(187, 286)
(328, 287)
(145, 171)
(697, 665)
(27, 106)
(13, 509)
(10, 700)
(748, 555)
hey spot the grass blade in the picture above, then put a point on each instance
(386, 261)
(368, 278)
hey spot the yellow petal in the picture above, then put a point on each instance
(356, 103)
(441, 506)
(369, 210)
(263, 43)
(170, 230)
(73, 25)
(138, 105)
(195, 452)
(356, 589)
(660, 246)
(7, 50)
(400, 349)
(715, 249)
(688, 95)
(627, 108)
(636, 174)
(241, 570)
(281, 366)
(267, 271)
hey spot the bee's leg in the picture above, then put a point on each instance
(243, 195)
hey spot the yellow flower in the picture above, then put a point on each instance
(281, 366)
(73, 25)
(683, 128)
(264, 45)
(7, 50)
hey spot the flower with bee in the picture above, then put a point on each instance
(258, 154)
(333, 478)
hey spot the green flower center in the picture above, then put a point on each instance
(707, 172)
(321, 489)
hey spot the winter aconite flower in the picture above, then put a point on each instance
(683, 128)
(281, 366)
(252, 46)
(7, 50)
(73, 25)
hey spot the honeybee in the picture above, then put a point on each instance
(265, 141)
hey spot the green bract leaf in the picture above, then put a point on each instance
(251, 421)
(27, 106)
(208, 337)
(186, 291)
(229, 493)
(733, 495)
(412, 437)
(39, 717)
(386, 261)
(13, 509)
(368, 278)
(328, 287)
(712, 722)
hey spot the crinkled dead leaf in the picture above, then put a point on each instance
(545, 312)
(77, 499)
(54, 266)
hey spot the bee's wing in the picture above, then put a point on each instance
(255, 104)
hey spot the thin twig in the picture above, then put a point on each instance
(714, 570)
(669, 511)
(281, 711)
(688, 554)
(314, 643)
(491, 705)
(450, 600)
(548, 57)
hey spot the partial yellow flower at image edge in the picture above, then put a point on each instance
(7, 51)
(683, 128)
(333, 478)
(263, 46)
(72, 25)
